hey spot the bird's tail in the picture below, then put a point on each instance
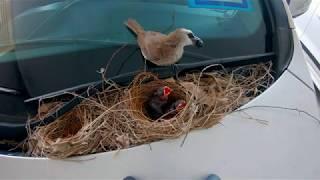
(134, 26)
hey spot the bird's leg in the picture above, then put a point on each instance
(175, 71)
(145, 65)
(149, 65)
(144, 62)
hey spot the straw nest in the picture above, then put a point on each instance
(116, 117)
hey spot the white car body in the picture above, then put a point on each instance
(308, 25)
(238, 148)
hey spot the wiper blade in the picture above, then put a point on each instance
(196, 55)
(237, 60)
(163, 72)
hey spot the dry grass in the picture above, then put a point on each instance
(46, 108)
(116, 118)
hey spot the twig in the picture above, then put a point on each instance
(261, 121)
(104, 73)
(279, 107)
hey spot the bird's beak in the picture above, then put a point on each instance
(196, 41)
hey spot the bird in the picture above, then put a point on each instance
(158, 100)
(175, 108)
(161, 49)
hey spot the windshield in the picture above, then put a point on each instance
(54, 37)
(226, 32)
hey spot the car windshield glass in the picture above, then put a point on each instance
(69, 41)
(226, 30)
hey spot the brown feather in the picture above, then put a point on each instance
(134, 26)
(159, 48)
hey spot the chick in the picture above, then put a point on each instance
(175, 108)
(161, 49)
(155, 105)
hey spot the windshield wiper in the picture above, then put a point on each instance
(168, 71)
(237, 60)
(196, 55)
(204, 59)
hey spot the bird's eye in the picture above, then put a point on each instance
(190, 35)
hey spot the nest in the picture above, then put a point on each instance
(116, 117)
(140, 92)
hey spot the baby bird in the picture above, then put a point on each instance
(175, 108)
(161, 49)
(157, 101)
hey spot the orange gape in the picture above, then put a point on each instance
(166, 90)
(162, 49)
(157, 102)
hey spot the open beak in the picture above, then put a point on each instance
(167, 91)
(196, 41)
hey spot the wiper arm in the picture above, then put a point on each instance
(237, 60)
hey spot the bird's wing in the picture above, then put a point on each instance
(168, 51)
(153, 43)
(143, 46)
(169, 43)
